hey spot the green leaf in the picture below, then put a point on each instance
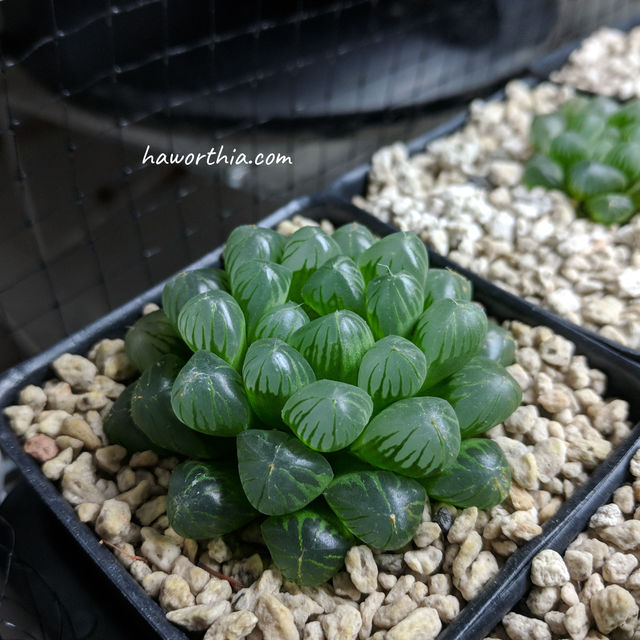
(213, 321)
(589, 178)
(446, 283)
(610, 208)
(206, 500)
(281, 322)
(151, 337)
(304, 252)
(541, 171)
(626, 116)
(259, 286)
(589, 125)
(603, 106)
(272, 372)
(600, 147)
(379, 507)
(499, 345)
(248, 242)
(394, 302)
(278, 473)
(482, 394)
(568, 148)
(449, 333)
(480, 477)
(338, 284)
(634, 194)
(414, 437)
(328, 415)
(308, 546)
(208, 396)
(545, 128)
(630, 133)
(188, 284)
(625, 157)
(399, 252)
(334, 345)
(391, 370)
(120, 428)
(152, 413)
(573, 107)
(353, 239)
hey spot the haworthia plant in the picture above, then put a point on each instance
(329, 434)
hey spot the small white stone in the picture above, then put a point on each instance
(549, 570)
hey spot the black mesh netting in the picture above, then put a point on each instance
(88, 84)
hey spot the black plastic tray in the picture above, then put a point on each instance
(354, 183)
(483, 613)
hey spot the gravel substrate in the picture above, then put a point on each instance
(593, 590)
(463, 196)
(607, 62)
(562, 431)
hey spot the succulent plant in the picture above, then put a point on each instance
(590, 148)
(325, 385)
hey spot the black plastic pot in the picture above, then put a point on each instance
(483, 613)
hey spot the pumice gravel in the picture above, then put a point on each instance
(464, 196)
(228, 588)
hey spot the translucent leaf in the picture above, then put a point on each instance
(545, 128)
(625, 157)
(610, 208)
(602, 105)
(626, 116)
(568, 148)
(338, 284)
(353, 239)
(213, 321)
(499, 345)
(248, 242)
(119, 427)
(334, 345)
(278, 473)
(304, 252)
(152, 413)
(394, 301)
(259, 286)
(308, 546)
(414, 437)
(589, 178)
(589, 125)
(188, 284)
(273, 371)
(379, 507)
(206, 500)
(208, 396)
(482, 394)
(398, 252)
(328, 415)
(446, 283)
(151, 337)
(449, 333)
(573, 107)
(541, 171)
(281, 322)
(391, 370)
(480, 477)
